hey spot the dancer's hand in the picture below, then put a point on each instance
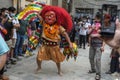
(38, 15)
(70, 45)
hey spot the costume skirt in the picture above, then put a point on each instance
(3, 46)
(50, 53)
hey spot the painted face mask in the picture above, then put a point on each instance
(50, 17)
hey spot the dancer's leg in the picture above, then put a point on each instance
(59, 68)
(39, 66)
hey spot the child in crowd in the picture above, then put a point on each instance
(95, 28)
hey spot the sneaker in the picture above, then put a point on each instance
(108, 72)
(115, 74)
(91, 71)
(8, 66)
(8, 62)
(13, 62)
(13, 59)
(84, 48)
(18, 59)
(118, 75)
(21, 55)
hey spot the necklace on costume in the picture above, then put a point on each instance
(51, 31)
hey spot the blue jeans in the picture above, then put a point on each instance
(19, 44)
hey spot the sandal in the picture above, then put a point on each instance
(97, 77)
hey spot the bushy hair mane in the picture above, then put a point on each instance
(63, 17)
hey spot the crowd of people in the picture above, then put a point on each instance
(14, 33)
(84, 28)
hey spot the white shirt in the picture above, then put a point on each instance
(14, 33)
(83, 31)
(15, 21)
(87, 24)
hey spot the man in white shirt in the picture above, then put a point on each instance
(82, 33)
(15, 22)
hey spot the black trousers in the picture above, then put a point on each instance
(114, 65)
(87, 38)
(82, 40)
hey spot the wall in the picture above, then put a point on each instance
(93, 4)
(5, 3)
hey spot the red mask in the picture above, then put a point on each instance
(50, 17)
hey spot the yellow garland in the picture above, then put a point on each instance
(51, 31)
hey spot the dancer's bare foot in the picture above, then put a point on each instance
(37, 70)
(60, 73)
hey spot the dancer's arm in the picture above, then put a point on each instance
(68, 39)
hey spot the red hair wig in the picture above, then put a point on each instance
(63, 17)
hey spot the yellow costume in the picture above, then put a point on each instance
(50, 46)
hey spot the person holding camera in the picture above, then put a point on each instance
(96, 49)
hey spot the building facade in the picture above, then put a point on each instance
(6, 3)
(20, 4)
(90, 7)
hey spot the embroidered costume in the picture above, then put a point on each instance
(50, 48)
(56, 21)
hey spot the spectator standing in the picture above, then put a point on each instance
(77, 33)
(114, 64)
(95, 53)
(20, 38)
(95, 28)
(87, 25)
(3, 49)
(15, 25)
(82, 33)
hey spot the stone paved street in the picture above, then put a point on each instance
(72, 70)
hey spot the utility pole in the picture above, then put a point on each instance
(18, 5)
(69, 5)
